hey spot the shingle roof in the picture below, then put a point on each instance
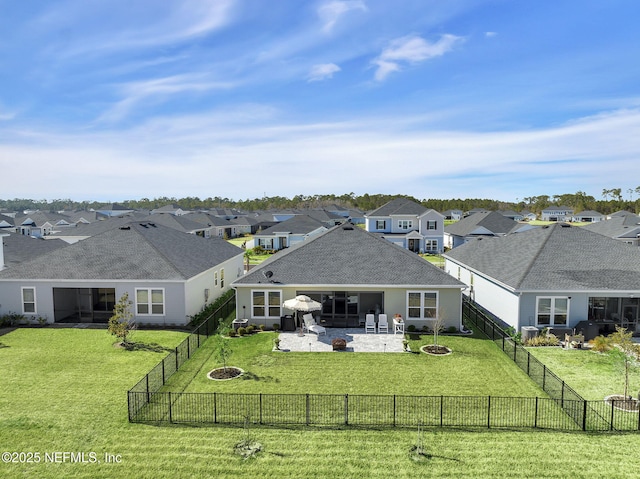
(399, 206)
(617, 227)
(491, 220)
(19, 248)
(299, 224)
(348, 255)
(557, 257)
(142, 252)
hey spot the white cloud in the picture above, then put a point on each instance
(490, 34)
(411, 49)
(158, 90)
(323, 71)
(331, 12)
(377, 154)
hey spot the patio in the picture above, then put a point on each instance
(357, 341)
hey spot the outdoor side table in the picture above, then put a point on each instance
(398, 326)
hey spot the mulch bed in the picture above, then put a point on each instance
(622, 403)
(435, 350)
(221, 374)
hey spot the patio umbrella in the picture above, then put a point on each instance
(302, 303)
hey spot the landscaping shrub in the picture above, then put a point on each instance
(242, 331)
(601, 344)
(543, 340)
(276, 327)
(452, 329)
(251, 328)
(411, 328)
(261, 327)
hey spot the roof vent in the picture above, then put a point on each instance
(347, 227)
(126, 228)
(267, 274)
(565, 225)
(152, 224)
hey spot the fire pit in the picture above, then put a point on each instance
(339, 344)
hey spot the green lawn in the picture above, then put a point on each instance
(470, 371)
(64, 390)
(593, 375)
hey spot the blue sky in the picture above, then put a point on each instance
(505, 99)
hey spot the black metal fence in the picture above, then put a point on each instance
(588, 415)
(564, 410)
(151, 383)
(350, 410)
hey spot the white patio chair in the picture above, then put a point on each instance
(383, 323)
(309, 324)
(370, 323)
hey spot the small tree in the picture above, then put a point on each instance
(626, 351)
(121, 324)
(438, 326)
(223, 351)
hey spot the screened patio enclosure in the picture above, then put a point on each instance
(611, 312)
(346, 309)
(83, 305)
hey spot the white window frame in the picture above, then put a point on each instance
(423, 305)
(215, 278)
(431, 245)
(552, 311)
(24, 302)
(221, 278)
(149, 303)
(405, 224)
(432, 225)
(266, 306)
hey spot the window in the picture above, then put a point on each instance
(431, 246)
(552, 311)
(221, 278)
(422, 304)
(29, 300)
(215, 278)
(381, 224)
(266, 304)
(405, 224)
(432, 225)
(150, 302)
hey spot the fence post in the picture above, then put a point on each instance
(584, 416)
(441, 410)
(488, 412)
(544, 376)
(163, 378)
(260, 408)
(215, 408)
(148, 393)
(562, 396)
(394, 411)
(535, 420)
(188, 346)
(613, 401)
(515, 349)
(346, 409)
(528, 362)
(308, 412)
(129, 405)
(170, 413)
(177, 365)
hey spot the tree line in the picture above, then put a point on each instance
(612, 200)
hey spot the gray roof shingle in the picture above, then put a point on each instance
(348, 255)
(399, 206)
(558, 257)
(142, 252)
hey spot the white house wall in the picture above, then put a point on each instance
(395, 301)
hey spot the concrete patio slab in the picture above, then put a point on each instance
(357, 341)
